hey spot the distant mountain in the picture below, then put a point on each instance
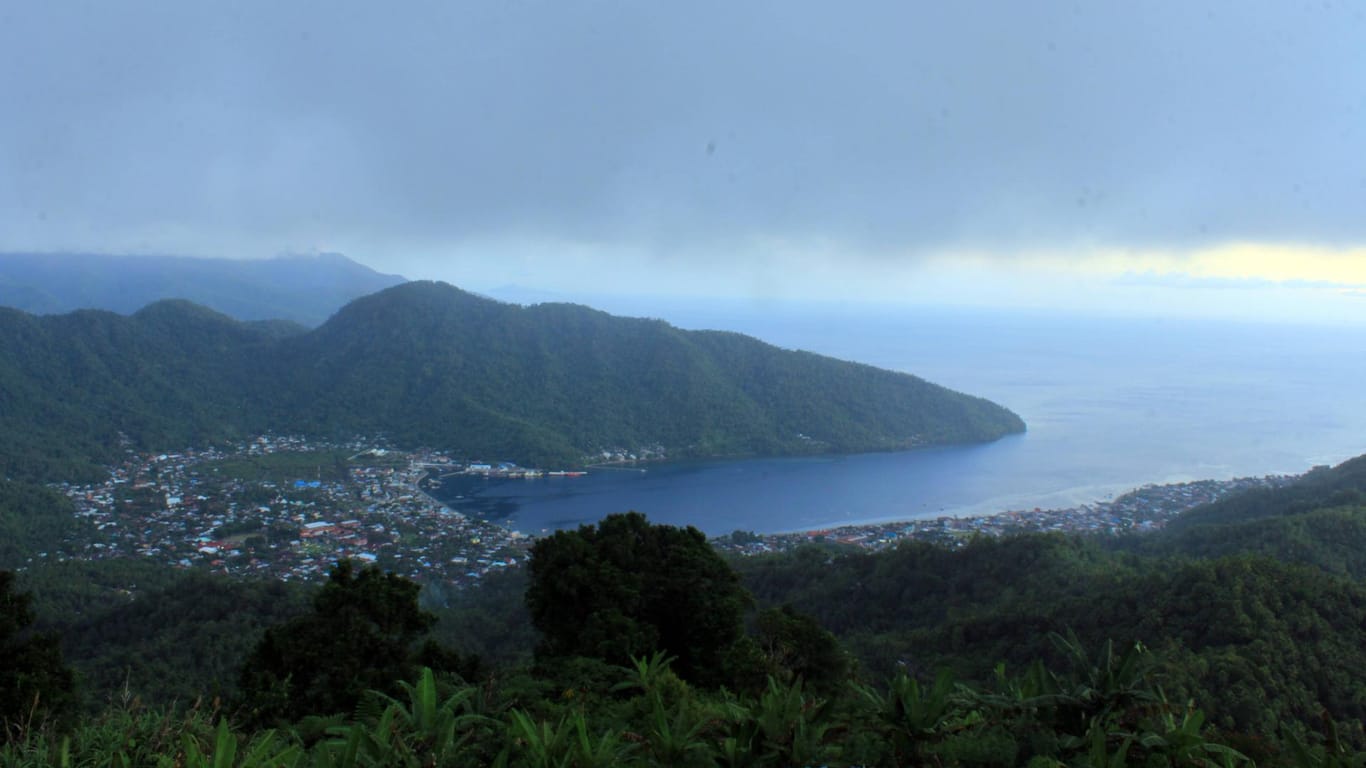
(429, 364)
(302, 289)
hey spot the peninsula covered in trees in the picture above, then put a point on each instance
(427, 364)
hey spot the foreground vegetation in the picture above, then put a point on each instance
(1101, 712)
(303, 702)
(1235, 638)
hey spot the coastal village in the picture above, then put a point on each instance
(289, 508)
(1145, 509)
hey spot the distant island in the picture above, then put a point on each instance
(426, 364)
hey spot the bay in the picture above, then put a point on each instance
(1111, 404)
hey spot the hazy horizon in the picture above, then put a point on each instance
(1161, 158)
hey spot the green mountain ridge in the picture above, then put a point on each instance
(428, 364)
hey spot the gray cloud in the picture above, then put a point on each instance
(680, 126)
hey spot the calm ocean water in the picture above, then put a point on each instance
(1111, 405)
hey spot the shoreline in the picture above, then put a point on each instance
(1112, 509)
(1143, 509)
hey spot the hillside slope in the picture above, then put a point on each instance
(1257, 606)
(429, 364)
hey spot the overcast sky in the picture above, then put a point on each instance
(1145, 154)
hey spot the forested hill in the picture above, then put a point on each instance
(1344, 484)
(1256, 604)
(301, 289)
(1318, 521)
(74, 386)
(428, 364)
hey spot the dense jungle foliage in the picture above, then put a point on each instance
(33, 520)
(1100, 708)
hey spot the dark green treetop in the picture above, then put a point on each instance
(34, 682)
(362, 634)
(626, 588)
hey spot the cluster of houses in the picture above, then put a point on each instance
(1145, 509)
(653, 452)
(180, 508)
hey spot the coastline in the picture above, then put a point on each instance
(1143, 509)
(1106, 507)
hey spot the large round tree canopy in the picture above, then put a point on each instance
(626, 588)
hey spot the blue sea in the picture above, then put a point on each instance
(1111, 404)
